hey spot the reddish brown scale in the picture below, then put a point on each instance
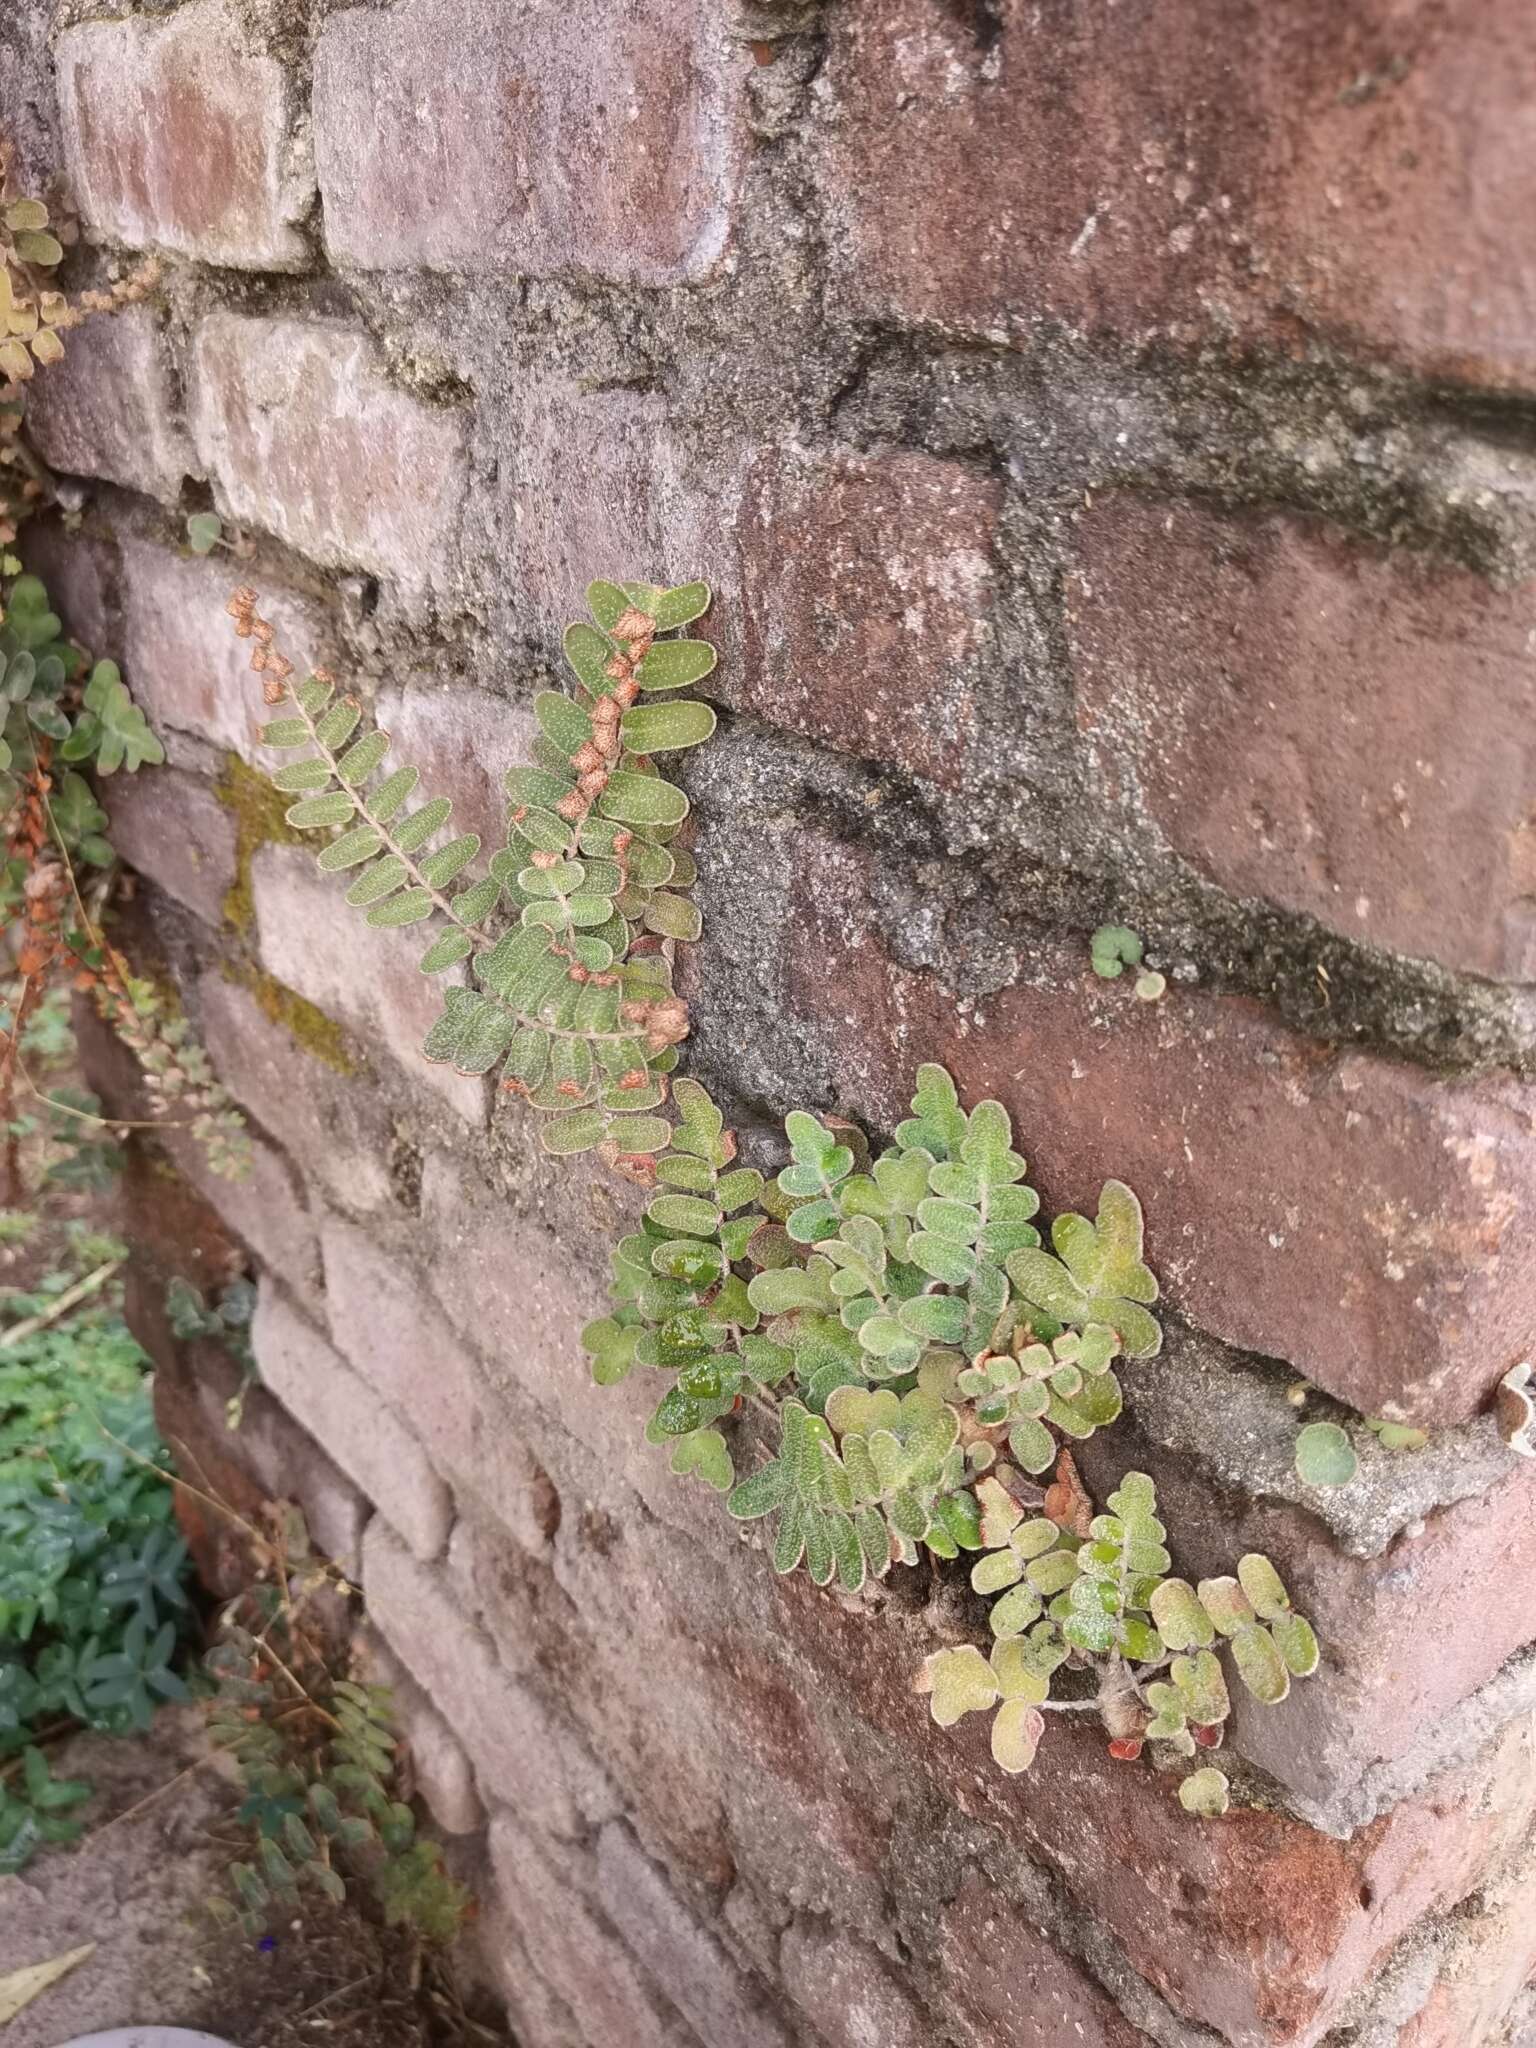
(1127, 1750)
(566, 1088)
(626, 693)
(541, 859)
(574, 807)
(635, 1078)
(1209, 1737)
(586, 758)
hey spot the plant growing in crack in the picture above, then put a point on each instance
(875, 1355)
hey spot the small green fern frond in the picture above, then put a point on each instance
(574, 999)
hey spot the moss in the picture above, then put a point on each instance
(260, 815)
(306, 1024)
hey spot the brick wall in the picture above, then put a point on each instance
(1108, 430)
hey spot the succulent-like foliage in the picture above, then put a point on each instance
(566, 930)
(317, 1758)
(1324, 1455)
(1113, 948)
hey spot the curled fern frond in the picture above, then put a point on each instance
(566, 930)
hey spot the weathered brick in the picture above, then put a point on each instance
(437, 1763)
(181, 657)
(1405, 1637)
(572, 1947)
(1386, 1249)
(288, 1464)
(266, 1209)
(520, 1293)
(726, 2009)
(338, 1407)
(597, 483)
(81, 572)
(180, 133)
(520, 1753)
(330, 1120)
(1491, 1955)
(1294, 174)
(110, 408)
(463, 740)
(1011, 1983)
(388, 1324)
(1341, 729)
(848, 1993)
(173, 828)
(369, 980)
(866, 588)
(571, 137)
(306, 438)
(1255, 1925)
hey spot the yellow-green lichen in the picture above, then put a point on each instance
(305, 1022)
(260, 815)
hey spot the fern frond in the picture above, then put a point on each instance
(575, 998)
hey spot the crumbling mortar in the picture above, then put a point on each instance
(983, 911)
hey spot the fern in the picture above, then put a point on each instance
(896, 1321)
(566, 933)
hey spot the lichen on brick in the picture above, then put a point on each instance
(260, 819)
(306, 1024)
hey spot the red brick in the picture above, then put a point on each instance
(1255, 1924)
(1358, 1217)
(866, 586)
(596, 483)
(572, 1947)
(438, 1766)
(1343, 730)
(172, 827)
(81, 572)
(1351, 175)
(1011, 1983)
(287, 1464)
(1492, 1953)
(331, 1121)
(463, 741)
(110, 408)
(306, 438)
(520, 1294)
(849, 1994)
(726, 2008)
(340, 1410)
(180, 134)
(569, 137)
(370, 981)
(267, 1210)
(387, 1324)
(183, 662)
(523, 1757)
